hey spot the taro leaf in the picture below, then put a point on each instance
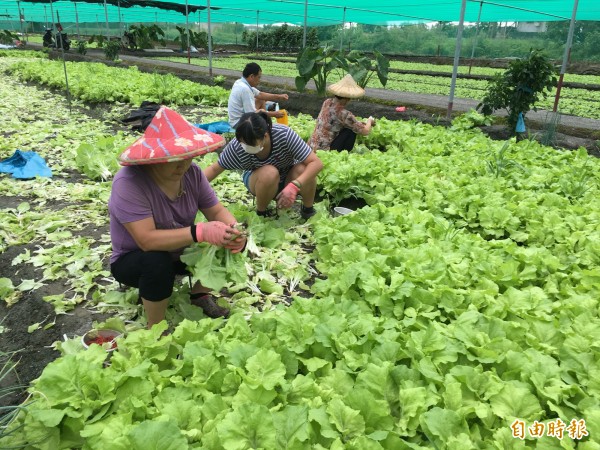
(301, 83)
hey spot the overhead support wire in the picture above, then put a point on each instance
(387, 13)
(520, 9)
(275, 12)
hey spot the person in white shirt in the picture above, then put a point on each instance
(245, 97)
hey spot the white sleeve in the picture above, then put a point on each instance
(248, 102)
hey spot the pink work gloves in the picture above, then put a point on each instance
(220, 234)
(287, 196)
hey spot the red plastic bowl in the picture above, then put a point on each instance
(101, 337)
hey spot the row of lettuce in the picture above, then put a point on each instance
(92, 83)
(463, 297)
(575, 101)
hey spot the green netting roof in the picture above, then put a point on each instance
(320, 12)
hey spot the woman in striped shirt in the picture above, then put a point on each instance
(277, 164)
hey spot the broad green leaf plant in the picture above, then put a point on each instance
(316, 64)
(520, 87)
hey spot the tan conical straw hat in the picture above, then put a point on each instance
(346, 88)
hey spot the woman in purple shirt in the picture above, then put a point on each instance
(153, 206)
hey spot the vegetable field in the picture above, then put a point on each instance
(574, 101)
(458, 309)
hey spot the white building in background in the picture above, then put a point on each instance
(532, 27)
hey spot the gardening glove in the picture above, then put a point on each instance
(237, 244)
(287, 196)
(238, 240)
(214, 232)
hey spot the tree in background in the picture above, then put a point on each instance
(586, 38)
(520, 87)
(112, 49)
(198, 39)
(8, 37)
(283, 38)
(557, 32)
(147, 36)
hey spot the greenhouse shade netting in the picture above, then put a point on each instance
(299, 12)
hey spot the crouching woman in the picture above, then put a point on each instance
(153, 205)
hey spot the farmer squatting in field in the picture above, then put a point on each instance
(337, 127)
(245, 97)
(153, 205)
(277, 164)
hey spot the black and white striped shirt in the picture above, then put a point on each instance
(287, 150)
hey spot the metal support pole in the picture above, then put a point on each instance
(77, 20)
(305, 21)
(187, 29)
(461, 25)
(257, 30)
(566, 56)
(59, 41)
(210, 72)
(106, 18)
(46, 16)
(52, 17)
(20, 17)
(351, 33)
(476, 35)
(120, 20)
(342, 32)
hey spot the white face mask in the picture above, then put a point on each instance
(252, 149)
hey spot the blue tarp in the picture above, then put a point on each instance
(24, 165)
(216, 127)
